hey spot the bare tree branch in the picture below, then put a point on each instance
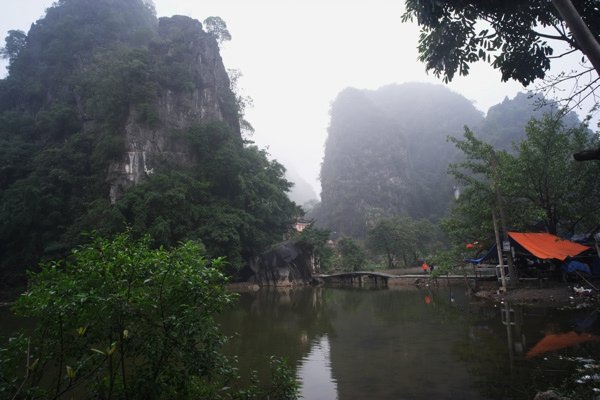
(564, 54)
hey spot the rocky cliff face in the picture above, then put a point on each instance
(386, 154)
(365, 164)
(203, 95)
(287, 264)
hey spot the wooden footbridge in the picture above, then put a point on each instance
(382, 279)
(356, 278)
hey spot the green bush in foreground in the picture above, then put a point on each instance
(119, 319)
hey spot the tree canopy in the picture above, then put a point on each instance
(512, 39)
(401, 239)
(520, 39)
(542, 186)
(218, 28)
(562, 193)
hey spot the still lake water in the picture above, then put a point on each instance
(414, 344)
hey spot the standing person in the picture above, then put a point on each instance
(431, 267)
(425, 267)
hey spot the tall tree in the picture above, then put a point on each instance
(544, 177)
(15, 42)
(352, 256)
(218, 28)
(481, 171)
(540, 184)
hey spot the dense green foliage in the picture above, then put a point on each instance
(80, 82)
(120, 319)
(559, 192)
(350, 255)
(512, 39)
(235, 203)
(402, 240)
(540, 185)
(316, 241)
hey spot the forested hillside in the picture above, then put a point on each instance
(111, 118)
(387, 152)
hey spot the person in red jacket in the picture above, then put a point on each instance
(425, 267)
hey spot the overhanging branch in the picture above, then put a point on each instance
(582, 34)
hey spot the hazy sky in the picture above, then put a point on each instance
(297, 55)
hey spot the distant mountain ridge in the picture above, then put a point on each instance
(387, 152)
(505, 122)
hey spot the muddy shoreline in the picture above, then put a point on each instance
(558, 295)
(544, 293)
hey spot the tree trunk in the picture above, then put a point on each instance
(499, 249)
(589, 46)
(583, 36)
(512, 271)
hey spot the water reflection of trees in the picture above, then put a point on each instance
(495, 352)
(280, 322)
(496, 339)
(434, 343)
(395, 344)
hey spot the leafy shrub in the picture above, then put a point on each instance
(119, 319)
(351, 256)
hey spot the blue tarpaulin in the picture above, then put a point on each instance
(492, 252)
(574, 265)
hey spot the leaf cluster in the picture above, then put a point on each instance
(317, 242)
(508, 35)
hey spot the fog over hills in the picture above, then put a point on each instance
(387, 152)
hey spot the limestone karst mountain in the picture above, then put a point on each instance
(387, 152)
(112, 119)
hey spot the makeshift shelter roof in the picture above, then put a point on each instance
(546, 246)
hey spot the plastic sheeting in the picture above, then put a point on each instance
(546, 246)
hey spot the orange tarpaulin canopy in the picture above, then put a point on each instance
(545, 245)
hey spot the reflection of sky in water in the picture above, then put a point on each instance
(315, 373)
(349, 344)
